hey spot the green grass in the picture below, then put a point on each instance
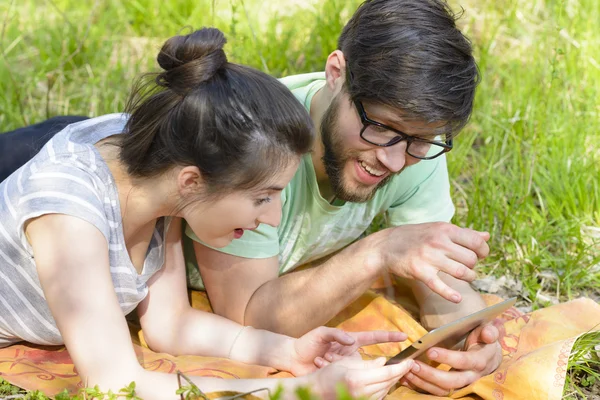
(532, 179)
(583, 378)
(526, 168)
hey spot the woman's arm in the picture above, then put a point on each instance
(172, 326)
(73, 266)
(71, 257)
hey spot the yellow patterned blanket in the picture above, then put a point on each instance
(536, 349)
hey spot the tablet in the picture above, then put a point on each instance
(453, 333)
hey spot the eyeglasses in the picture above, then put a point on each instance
(384, 136)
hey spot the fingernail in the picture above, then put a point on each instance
(455, 298)
(433, 355)
(328, 357)
(416, 368)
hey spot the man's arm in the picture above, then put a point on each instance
(436, 311)
(250, 292)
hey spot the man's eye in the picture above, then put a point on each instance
(379, 129)
(259, 202)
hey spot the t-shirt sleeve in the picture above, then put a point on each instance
(260, 243)
(60, 189)
(428, 198)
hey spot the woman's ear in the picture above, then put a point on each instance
(335, 71)
(189, 180)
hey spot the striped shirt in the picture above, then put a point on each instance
(68, 176)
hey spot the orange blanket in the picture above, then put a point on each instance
(536, 349)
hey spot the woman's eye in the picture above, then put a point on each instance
(259, 202)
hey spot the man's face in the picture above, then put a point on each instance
(356, 169)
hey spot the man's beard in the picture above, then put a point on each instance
(335, 158)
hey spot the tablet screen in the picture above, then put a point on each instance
(452, 333)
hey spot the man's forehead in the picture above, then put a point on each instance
(400, 119)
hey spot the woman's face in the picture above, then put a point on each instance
(218, 222)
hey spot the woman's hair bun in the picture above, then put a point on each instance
(191, 59)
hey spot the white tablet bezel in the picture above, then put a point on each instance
(453, 332)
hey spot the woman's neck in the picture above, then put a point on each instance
(142, 201)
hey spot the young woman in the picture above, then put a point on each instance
(90, 229)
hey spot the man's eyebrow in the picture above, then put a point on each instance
(394, 121)
(387, 116)
(428, 136)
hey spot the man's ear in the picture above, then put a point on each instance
(335, 71)
(189, 180)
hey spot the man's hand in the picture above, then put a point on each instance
(330, 344)
(421, 251)
(481, 357)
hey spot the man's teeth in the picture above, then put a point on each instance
(371, 170)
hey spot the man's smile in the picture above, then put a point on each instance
(372, 170)
(367, 174)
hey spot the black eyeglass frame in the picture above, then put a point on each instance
(366, 121)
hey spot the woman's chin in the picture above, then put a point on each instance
(216, 242)
(219, 243)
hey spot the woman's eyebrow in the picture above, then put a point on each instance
(272, 188)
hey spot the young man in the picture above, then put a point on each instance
(392, 97)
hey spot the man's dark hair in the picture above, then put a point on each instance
(409, 54)
(238, 125)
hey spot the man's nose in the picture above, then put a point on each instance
(393, 157)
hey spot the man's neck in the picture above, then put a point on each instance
(318, 105)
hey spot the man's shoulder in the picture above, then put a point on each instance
(297, 81)
(304, 178)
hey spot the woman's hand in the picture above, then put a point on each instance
(370, 379)
(331, 343)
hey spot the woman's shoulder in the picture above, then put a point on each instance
(85, 134)
(92, 130)
(72, 152)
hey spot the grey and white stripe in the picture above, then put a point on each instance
(68, 176)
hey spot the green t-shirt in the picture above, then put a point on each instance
(311, 228)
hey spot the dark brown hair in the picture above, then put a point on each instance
(409, 54)
(236, 124)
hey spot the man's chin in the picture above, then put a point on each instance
(356, 195)
(360, 193)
